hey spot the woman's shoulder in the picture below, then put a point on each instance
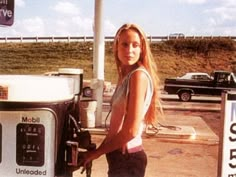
(139, 77)
(139, 73)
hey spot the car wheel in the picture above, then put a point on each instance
(87, 92)
(185, 96)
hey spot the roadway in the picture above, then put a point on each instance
(198, 103)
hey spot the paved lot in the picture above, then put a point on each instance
(191, 152)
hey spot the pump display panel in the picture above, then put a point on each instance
(30, 141)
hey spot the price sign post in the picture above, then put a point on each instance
(6, 12)
(227, 147)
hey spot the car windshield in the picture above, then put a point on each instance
(196, 76)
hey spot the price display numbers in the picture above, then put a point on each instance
(227, 150)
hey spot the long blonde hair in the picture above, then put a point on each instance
(146, 60)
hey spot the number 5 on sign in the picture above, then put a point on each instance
(227, 147)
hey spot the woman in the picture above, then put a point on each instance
(133, 105)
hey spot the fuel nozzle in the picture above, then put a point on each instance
(78, 144)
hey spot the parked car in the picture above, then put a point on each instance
(176, 35)
(196, 76)
(185, 88)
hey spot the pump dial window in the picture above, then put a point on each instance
(30, 144)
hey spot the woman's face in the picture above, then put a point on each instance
(129, 47)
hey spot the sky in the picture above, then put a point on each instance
(156, 17)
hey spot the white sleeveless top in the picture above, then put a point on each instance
(119, 100)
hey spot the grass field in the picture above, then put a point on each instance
(173, 58)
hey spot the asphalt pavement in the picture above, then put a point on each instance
(185, 146)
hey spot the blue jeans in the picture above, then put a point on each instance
(126, 165)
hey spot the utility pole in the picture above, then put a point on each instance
(98, 60)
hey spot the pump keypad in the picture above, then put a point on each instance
(30, 144)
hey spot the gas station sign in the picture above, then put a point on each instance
(6, 12)
(227, 148)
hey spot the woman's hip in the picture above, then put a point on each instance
(126, 164)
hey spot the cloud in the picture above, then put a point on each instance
(32, 26)
(66, 8)
(75, 18)
(71, 26)
(193, 1)
(109, 28)
(225, 10)
(228, 2)
(20, 3)
(68, 21)
(222, 17)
